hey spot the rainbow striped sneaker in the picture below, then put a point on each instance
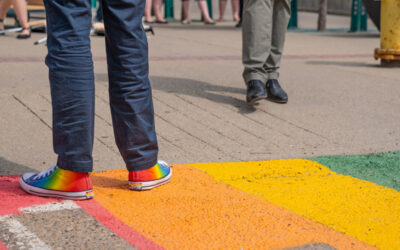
(150, 178)
(57, 182)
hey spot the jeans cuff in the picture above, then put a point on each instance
(75, 166)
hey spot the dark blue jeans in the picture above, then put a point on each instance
(72, 82)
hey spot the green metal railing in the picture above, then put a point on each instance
(359, 17)
(169, 9)
(293, 24)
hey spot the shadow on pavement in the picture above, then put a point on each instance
(111, 183)
(345, 64)
(12, 168)
(197, 26)
(190, 87)
(215, 93)
(372, 35)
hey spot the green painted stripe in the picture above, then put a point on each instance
(381, 168)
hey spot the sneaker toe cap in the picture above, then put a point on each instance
(26, 176)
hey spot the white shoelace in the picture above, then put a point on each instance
(45, 173)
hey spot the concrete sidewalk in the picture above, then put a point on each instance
(340, 100)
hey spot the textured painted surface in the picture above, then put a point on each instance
(382, 168)
(195, 211)
(116, 226)
(358, 208)
(2, 246)
(72, 221)
(12, 197)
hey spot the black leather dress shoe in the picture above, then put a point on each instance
(255, 91)
(275, 92)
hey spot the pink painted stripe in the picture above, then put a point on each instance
(2, 246)
(127, 233)
(197, 58)
(12, 197)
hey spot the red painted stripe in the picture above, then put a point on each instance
(127, 233)
(12, 197)
(2, 246)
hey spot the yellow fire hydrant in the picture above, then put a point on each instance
(389, 53)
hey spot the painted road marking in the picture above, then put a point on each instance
(51, 207)
(12, 197)
(70, 229)
(23, 237)
(195, 211)
(361, 209)
(2, 246)
(118, 227)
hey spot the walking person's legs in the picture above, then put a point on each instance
(204, 11)
(235, 10)
(4, 7)
(130, 93)
(157, 12)
(72, 90)
(186, 12)
(222, 7)
(147, 11)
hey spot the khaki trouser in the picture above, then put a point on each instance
(264, 27)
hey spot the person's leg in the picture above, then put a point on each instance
(130, 93)
(147, 11)
(129, 85)
(239, 24)
(241, 10)
(281, 16)
(235, 10)
(204, 11)
(4, 7)
(157, 11)
(22, 15)
(71, 77)
(222, 7)
(185, 11)
(72, 92)
(256, 36)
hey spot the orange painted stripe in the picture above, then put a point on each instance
(194, 211)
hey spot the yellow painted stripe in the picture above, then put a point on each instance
(358, 208)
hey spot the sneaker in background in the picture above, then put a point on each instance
(150, 178)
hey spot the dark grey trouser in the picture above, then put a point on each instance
(72, 82)
(263, 32)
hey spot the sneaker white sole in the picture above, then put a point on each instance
(81, 195)
(146, 185)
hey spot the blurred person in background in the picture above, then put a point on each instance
(22, 15)
(263, 34)
(235, 10)
(203, 9)
(156, 4)
(239, 24)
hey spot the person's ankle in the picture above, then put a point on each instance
(26, 30)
